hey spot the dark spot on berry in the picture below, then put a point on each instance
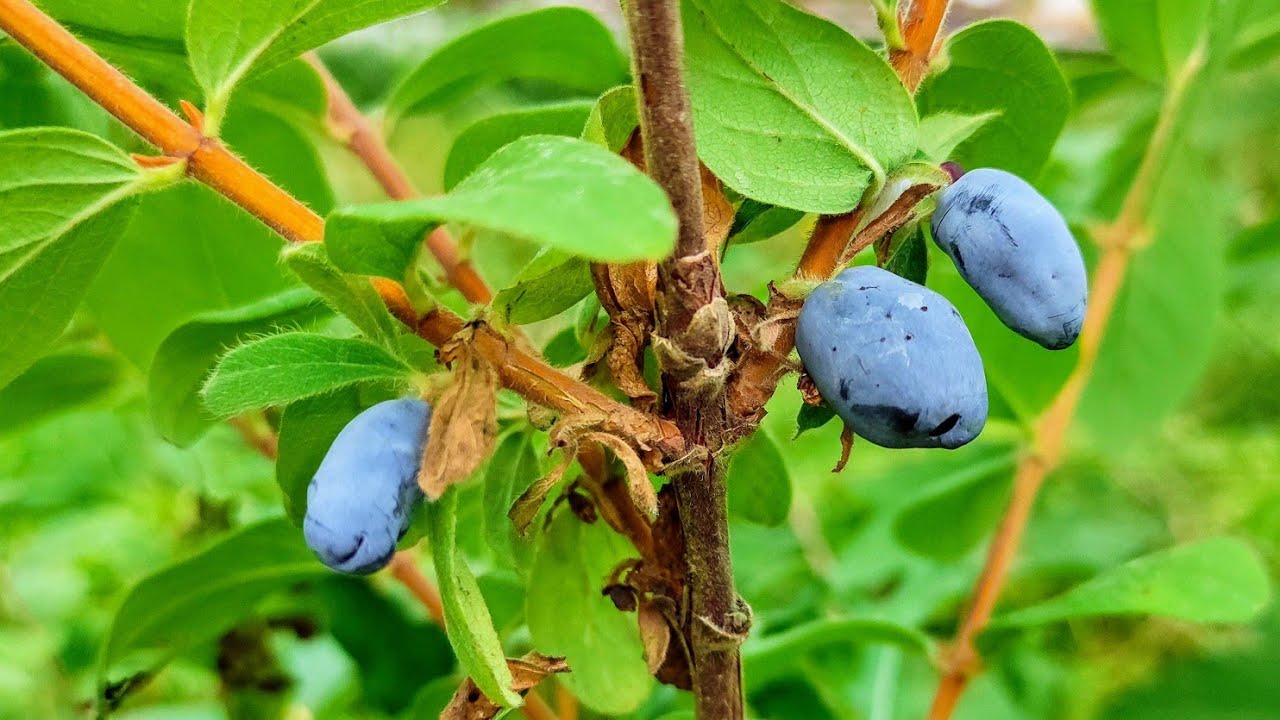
(981, 203)
(945, 426)
(882, 339)
(924, 308)
(955, 254)
(844, 389)
(903, 422)
(833, 348)
(909, 337)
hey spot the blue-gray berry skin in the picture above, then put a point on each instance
(1013, 247)
(894, 359)
(361, 499)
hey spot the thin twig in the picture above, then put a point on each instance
(919, 29)
(362, 139)
(404, 569)
(1119, 240)
(213, 164)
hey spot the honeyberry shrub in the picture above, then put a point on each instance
(154, 563)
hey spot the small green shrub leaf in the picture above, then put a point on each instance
(551, 283)
(568, 615)
(790, 109)
(1217, 580)
(64, 202)
(614, 117)
(957, 511)
(197, 598)
(558, 192)
(1032, 103)
(483, 138)
(471, 631)
(759, 483)
(228, 39)
(281, 369)
(563, 46)
(774, 656)
(186, 357)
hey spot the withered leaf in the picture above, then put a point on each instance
(469, 703)
(642, 492)
(846, 447)
(717, 212)
(655, 635)
(526, 507)
(464, 423)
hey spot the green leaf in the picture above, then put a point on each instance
(941, 133)
(47, 99)
(559, 192)
(353, 296)
(759, 483)
(1217, 580)
(563, 46)
(194, 600)
(812, 417)
(281, 369)
(483, 138)
(307, 429)
(185, 357)
(909, 256)
(568, 615)
(790, 109)
(513, 467)
(467, 620)
(228, 39)
(1152, 37)
(755, 221)
(613, 119)
(775, 656)
(64, 202)
(958, 510)
(551, 283)
(1003, 67)
(564, 349)
(189, 251)
(66, 380)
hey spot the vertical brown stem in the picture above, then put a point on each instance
(694, 329)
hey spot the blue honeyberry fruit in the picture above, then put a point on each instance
(360, 501)
(894, 359)
(1013, 247)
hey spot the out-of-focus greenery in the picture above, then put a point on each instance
(92, 500)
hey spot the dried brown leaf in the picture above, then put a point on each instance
(717, 212)
(464, 423)
(642, 492)
(846, 447)
(469, 703)
(655, 635)
(526, 507)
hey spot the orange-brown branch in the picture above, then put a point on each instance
(1119, 240)
(212, 163)
(920, 27)
(362, 139)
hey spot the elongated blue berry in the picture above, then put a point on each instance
(1013, 247)
(894, 359)
(360, 501)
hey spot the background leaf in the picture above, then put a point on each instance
(775, 655)
(550, 284)
(958, 510)
(291, 366)
(759, 483)
(563, 46)
(569, 616)
(480, 140)
(228, 39)
(613, 119)
(69, 379)
(207, 593)
(1032, 102)
(64, 201)
(1219, 580)
(511, 471)
(554, 191)
(187, 356)
(790, 109)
